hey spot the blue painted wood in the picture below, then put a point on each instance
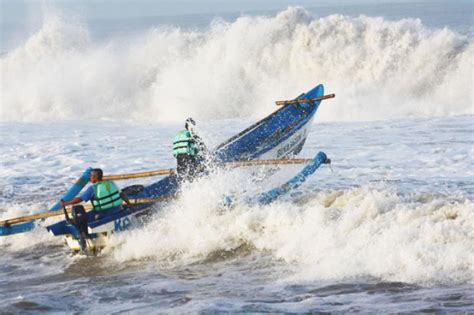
(293, 183)
(110, 215)
(62, 227)
(270, 131)
(253, 141)
(71, 193)
(249, 144)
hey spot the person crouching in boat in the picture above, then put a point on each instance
(103, 194)
(190, 152)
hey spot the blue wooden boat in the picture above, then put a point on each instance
(279, 135)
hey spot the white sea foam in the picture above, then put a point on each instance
(39, 236)
(379, 69)
(333, 235)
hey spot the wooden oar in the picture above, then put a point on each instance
(141, 174)
(88, 207)
(305, 100)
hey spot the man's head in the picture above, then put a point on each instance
(189, 124)
(96, 175)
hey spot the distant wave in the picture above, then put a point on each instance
(378, 69)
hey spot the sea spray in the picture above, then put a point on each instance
(379, 69)
(362, 232)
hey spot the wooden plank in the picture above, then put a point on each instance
(140, 174)
(305, 100)
(267, 162)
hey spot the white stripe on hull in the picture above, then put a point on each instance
(288, 146)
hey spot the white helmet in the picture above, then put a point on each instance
(189, 123)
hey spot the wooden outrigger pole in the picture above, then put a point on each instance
(305, 100)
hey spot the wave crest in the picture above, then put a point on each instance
(379, 69)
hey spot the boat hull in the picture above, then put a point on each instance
(279, 135)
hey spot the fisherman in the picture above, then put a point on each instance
(190, 152)
(103, 194)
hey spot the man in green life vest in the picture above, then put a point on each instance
(103, 194)
(189, 151)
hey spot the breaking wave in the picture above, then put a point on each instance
(379, 69)
(331, 235)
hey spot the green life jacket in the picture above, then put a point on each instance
(106, 196)
(184, 144)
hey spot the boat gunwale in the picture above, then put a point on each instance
(252, 127)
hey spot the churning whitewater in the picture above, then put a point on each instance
(334, 235)
(380, 69)
(371, 217)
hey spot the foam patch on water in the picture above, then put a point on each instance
(238, 69)
(364, 232)
(37, 237)
(178, 226)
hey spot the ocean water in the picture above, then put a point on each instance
(389, 229)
